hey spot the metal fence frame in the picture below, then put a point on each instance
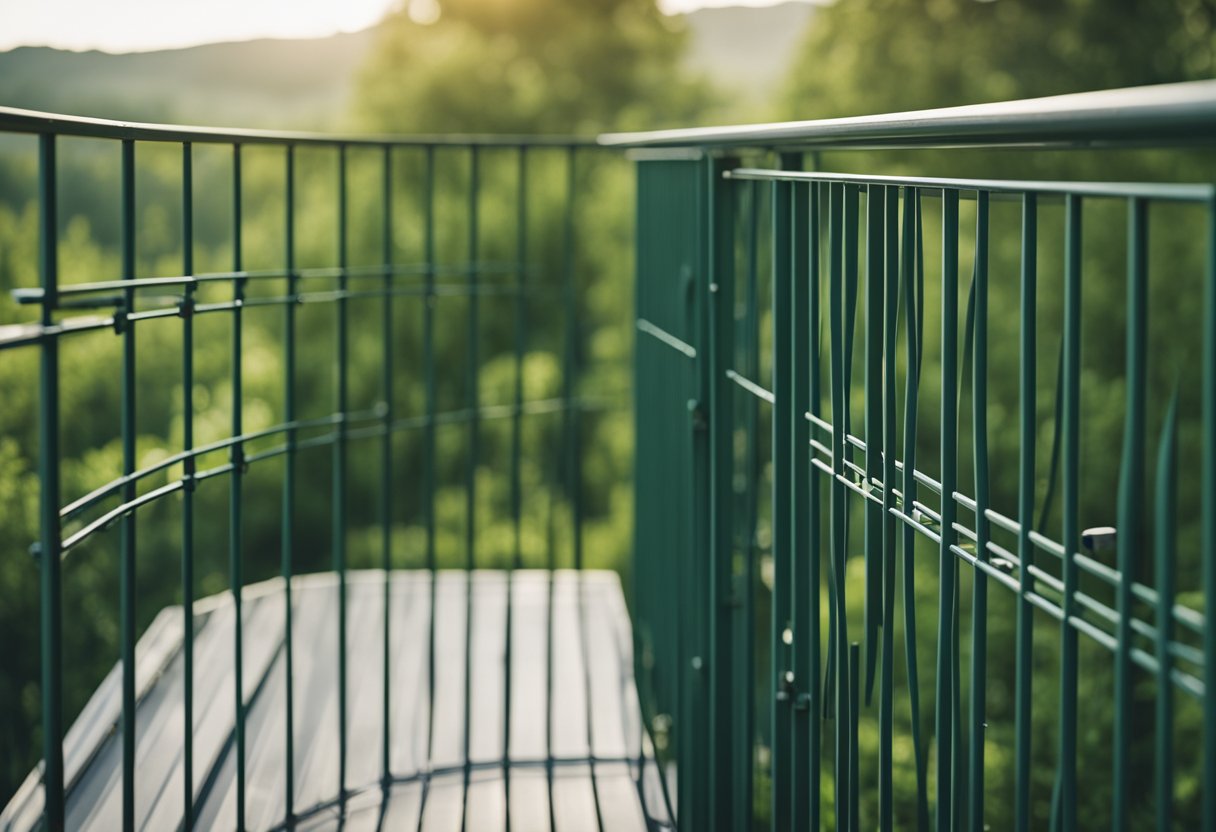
(814, 239)
(59, 305)
(701, 636)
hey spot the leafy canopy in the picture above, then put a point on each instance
(874, 56)
(529, 66)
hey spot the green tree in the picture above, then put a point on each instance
(529, 66)
(876, 56)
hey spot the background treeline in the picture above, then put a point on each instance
(537, 66)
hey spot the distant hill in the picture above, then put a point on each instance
(301, 83)
(307, 83)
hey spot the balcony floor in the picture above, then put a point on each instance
(578, 756)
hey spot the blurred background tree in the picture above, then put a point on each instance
(876, 56)
(529, 66)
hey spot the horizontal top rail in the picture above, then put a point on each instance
(1165, 192)
(13, 120)
(1172, 114)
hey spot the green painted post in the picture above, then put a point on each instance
(51, 601)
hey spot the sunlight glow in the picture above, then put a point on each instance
(142, 25)
(682, 6)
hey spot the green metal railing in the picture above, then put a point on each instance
(792, 490)
(417, 288)
(872, 488)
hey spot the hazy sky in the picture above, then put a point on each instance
(131, 25)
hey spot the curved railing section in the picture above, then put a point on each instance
(525, 270)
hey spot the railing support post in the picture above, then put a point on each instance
(671, 537)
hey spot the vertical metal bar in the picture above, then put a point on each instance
(428, 448)
(1131, 497)
(853, 817)
(743, 694)
(128, 490)
(339, 465)
(51, 601)
(979, 591)
(886, 695)
(287, 550)
(1166, 508)
(947, 565)
(836, 204)
(912, 271)
(1026, 435)
(386, 453)
(842, 348)
(574, 460)
(782, 455)
(517, 400)
(810, 655)
(521, 316)
(852, 253)
(1071, 537)
(471, 381)
(570, 365)
(1208, 511)
(694, 572)
(839, 635)
(801, 535)
(723, 757)
(235, 488)
(187, 314)
(875, 211)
